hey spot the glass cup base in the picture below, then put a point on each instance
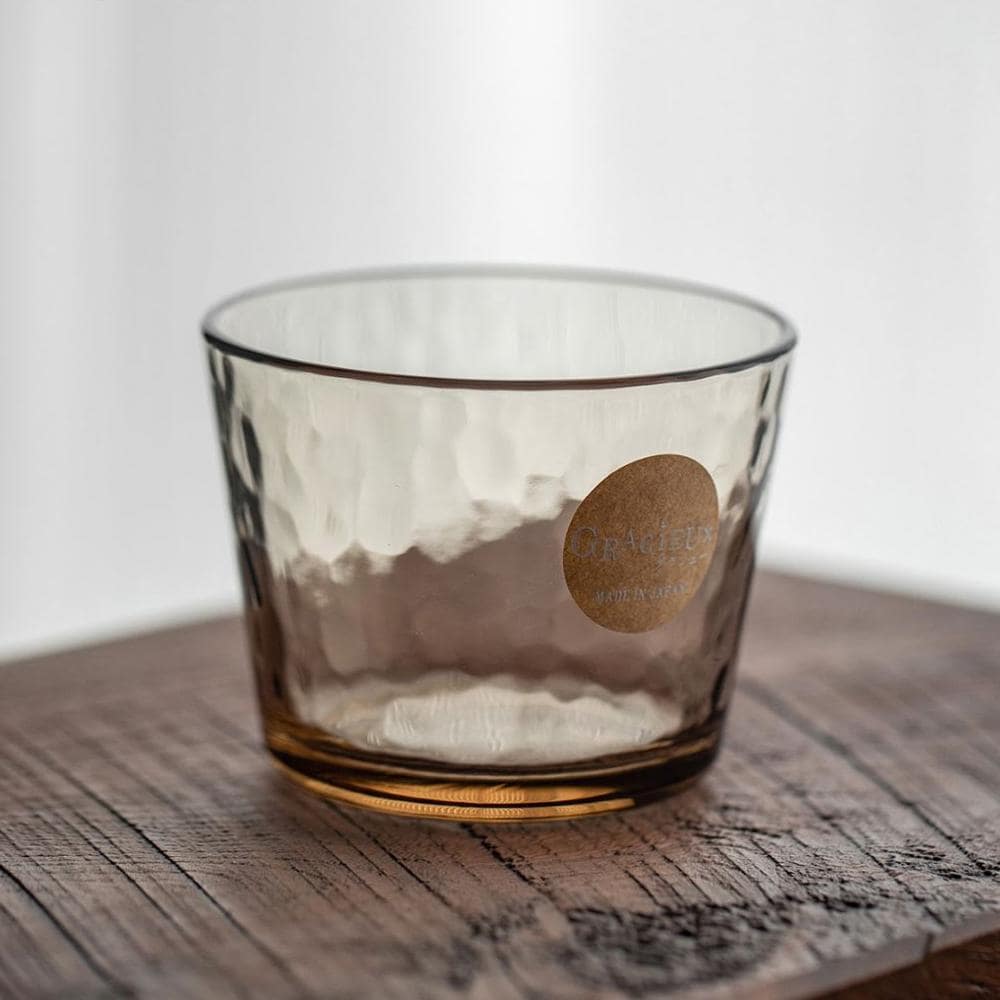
(425, 790)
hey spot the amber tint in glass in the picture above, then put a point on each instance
(405, 454)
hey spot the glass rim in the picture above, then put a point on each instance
(787, 337)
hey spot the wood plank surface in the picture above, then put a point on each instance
(850, 827)
(966, 972)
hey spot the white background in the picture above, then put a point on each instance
(840, 158)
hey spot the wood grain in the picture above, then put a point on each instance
(850, 827)
(967, 972)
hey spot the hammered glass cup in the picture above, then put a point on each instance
(496, 528)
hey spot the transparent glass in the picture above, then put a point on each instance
(432, 632)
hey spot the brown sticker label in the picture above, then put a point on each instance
(640, 543)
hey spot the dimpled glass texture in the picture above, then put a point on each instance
(404, 451)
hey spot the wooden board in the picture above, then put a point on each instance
(850, 827)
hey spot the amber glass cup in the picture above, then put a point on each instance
(496, 528)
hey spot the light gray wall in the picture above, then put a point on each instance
(838, 157)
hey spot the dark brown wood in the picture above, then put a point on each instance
(968, 972)
(851, 827)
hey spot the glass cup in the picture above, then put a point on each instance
(496, 528)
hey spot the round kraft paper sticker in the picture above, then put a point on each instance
(640, 543)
